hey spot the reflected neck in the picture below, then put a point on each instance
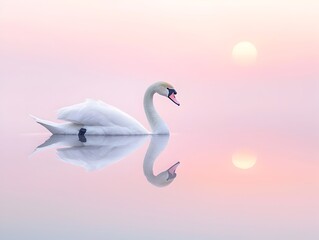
(157, 124)
(157, 145)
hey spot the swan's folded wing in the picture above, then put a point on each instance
(86, 113)
(98, 113)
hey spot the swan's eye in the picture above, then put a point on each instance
(171, 91)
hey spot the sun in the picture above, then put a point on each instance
(244, 159)
(244, 53)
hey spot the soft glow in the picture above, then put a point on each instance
(244, 53)
(244, 160)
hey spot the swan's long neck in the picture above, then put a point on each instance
(157, 124)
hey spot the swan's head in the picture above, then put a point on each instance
(167, 90)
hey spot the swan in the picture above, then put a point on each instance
(98, 118)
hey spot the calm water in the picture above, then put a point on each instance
(231, 185)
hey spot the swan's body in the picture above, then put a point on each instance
(99, 118)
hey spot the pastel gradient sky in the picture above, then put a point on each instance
(57, 53)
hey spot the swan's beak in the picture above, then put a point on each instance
(171, 95)
(171, 171)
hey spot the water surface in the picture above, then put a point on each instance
(120, 187)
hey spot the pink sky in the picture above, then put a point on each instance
(57, 53)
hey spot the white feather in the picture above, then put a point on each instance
(93, 114)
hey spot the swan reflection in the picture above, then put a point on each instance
(92, 152)
(96, 152)
(157, 145)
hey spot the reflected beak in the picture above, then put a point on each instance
(171, 171)
(173, 98)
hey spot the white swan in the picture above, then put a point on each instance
(98, 118)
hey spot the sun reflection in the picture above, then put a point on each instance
(244, 159)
